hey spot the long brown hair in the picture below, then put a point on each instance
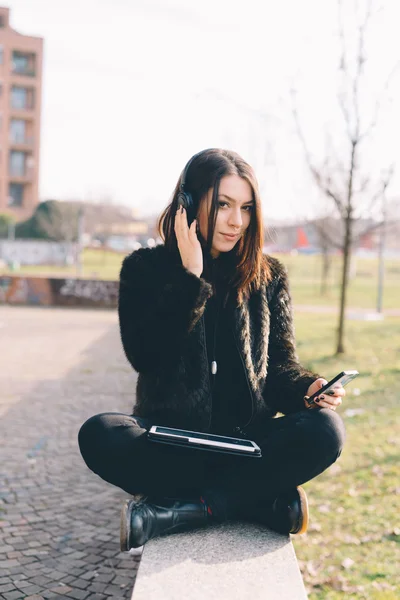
(205, 172)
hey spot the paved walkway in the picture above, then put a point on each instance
(59, 523)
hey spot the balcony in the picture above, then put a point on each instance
(21, 142)
(20, 175)
(19, 70)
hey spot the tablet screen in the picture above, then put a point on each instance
(205, 436)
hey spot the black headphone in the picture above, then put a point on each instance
(185, 198)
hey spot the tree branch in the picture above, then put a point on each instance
(387, 176)
(324, 187)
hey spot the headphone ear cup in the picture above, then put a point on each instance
(189, 202)
(182, 199)
(185, 199)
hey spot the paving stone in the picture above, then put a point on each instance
(81, 584)
(106, 577)
(7, 564)
(60, 522)
(89, 575)
(61, 589)
(126, 572)
(12, 595)
(6, 587)
(93, 559)
(26, 560)
(77, 572)
(12, 540)
(22, 584)
(57, 575)
(14, 554)
(4, 572)
(78, 563)
(32, 589)
(78, 555)
(108, 553)
(19, 546)
(41, 580)
(113, 590)
(31, 569)
(122, 581)
(78, 594)
(66, 579)
(97, 587)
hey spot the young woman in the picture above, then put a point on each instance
(206, 320)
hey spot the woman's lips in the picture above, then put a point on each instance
(230, 236)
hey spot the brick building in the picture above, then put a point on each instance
(20, 107)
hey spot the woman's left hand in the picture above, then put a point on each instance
(330, 400)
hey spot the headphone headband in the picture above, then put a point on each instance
(185, 170)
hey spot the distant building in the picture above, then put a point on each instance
(20, 107)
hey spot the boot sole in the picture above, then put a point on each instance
(125, 521)
(304, 511)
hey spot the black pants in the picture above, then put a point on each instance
(295, 448)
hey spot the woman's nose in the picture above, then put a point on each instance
(236, 219)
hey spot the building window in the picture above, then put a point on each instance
(22, 98)
(23, 63)
(18, 131)
(1, 54)
(2, 22)
(17, 163)
(15, 194)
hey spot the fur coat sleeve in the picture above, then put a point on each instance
(287, 381)
(159, 304)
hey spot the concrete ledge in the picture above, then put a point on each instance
(231, 561)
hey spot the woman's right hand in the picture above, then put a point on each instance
(188, 243)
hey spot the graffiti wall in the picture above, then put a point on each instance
(58, 292)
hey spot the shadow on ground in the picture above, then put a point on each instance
(59, 522)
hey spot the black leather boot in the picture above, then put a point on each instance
(144, 520)
(289, 512)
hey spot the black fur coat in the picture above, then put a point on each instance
(161, 307)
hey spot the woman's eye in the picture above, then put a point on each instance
(247, 208)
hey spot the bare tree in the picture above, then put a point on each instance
(347, 183)
(327, 234)
(59, 220)
(330, 235)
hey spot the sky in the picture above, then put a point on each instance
(133, 88)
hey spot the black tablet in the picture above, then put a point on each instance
(203, 441)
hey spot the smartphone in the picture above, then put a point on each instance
(341, 379)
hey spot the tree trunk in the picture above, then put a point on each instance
(345, 281)
(326, 264)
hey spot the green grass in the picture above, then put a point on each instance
(354, 505)
(304, 274)
(305, 279)
(97, 264)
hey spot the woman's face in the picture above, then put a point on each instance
(235, 201)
